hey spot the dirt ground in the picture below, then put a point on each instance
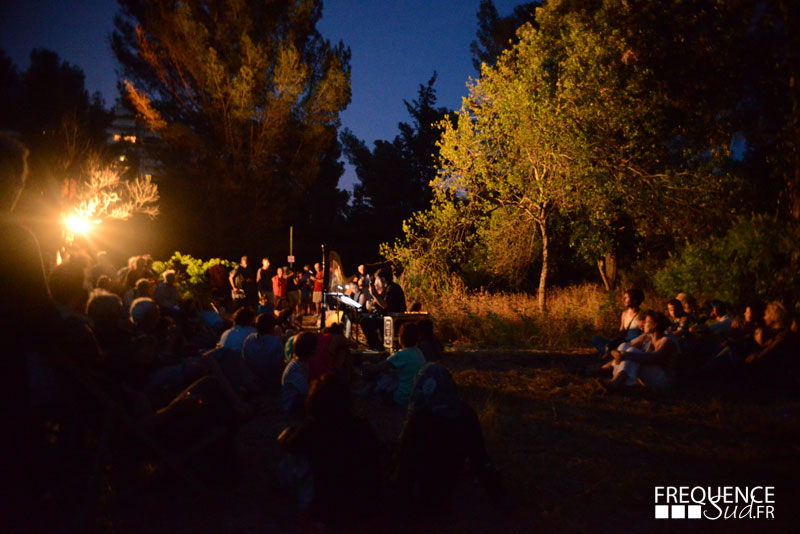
(574, 458)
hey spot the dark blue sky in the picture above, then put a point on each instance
(396, 45)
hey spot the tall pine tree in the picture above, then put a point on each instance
(245, 96)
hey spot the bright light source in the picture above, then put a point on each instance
(77, 225)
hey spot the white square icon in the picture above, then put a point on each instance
(662, 511)
(694, 511)
(678, 511)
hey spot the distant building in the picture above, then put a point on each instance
(132, 141)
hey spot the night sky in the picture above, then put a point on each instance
(396, 46)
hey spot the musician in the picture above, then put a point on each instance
(362, 294)
(387, 297)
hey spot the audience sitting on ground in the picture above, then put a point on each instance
(234, 337)
(137, 273)
(66, 288)
(143, 288)
(649, 359)
(332, 462)
(166, 294)
(630, 326)
(284, 315)
(720, 324)
(440, 434)
(102, 267)
(746, 325)
(690, 307)
(709, 336)
(332, 354)
(263, 352)
(394, 377)
(679, 320)
(777, 357)
(430, 346)
(294, 382)
(105, 283)
(265, 305)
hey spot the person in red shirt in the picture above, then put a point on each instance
(279, 285)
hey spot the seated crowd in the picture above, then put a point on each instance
(707, 344)
(178, 373)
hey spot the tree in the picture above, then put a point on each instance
(563, 128)
(394, 176)
(62, 126)
(245, 96)
(496, 33)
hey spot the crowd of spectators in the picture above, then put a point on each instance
(700, 345)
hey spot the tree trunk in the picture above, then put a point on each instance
(542, 292)
(608, 270)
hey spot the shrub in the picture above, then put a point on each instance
(758, 258)
(191, 274)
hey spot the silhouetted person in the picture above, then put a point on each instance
(341, 453)
(28, 318)
(441, 432)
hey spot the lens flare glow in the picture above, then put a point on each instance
(77, 225)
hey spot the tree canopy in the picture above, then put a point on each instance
(56, 118)
(496, 33)
(245, 97)
(588, 130)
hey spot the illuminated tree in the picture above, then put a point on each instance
(105, 195)
(245, 96)
(563, 129)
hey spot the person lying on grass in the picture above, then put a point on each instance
(649, 359)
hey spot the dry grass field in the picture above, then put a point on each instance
(574, 457)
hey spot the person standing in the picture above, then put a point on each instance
(319, 285)
(239, 281)
(264, 281)
(279, 286)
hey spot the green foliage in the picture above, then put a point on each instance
(758, 258)
(191, 273)
(565, 127)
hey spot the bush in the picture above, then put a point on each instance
(191, 274)
(758, 258)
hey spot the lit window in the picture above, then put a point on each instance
(117, 137)
(130, 138)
